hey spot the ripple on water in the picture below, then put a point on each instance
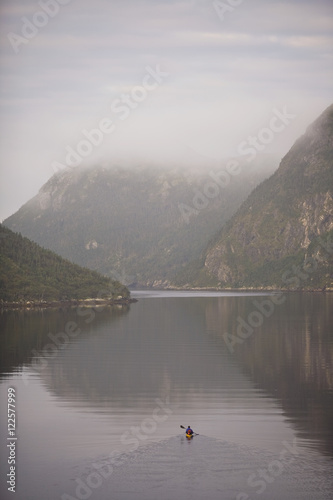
(204, 468)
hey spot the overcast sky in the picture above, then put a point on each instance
(165, 80)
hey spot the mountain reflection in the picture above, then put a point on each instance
(290, 356)
(25, 333)
(158, 350)
(126, 357)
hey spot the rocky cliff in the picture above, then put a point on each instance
(285, 226)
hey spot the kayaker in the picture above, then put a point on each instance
(189, 431)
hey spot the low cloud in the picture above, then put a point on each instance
(225, 77)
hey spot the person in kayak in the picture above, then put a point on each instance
(189, 431)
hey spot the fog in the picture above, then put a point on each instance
(162, 82)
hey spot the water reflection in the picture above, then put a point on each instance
(174, 347)
(290, 355)
(159, 350)
(24, 334)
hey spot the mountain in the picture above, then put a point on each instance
(138, 225)
(281, 236)
(31, 273)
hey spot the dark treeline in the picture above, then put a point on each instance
(29, 272)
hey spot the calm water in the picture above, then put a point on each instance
(99, 407)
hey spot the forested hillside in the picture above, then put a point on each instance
(29, 272)
(141, 224)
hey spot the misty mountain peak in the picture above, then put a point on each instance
(143, 222)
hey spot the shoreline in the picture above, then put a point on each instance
(245, 289)
(95, 302)
(48, 304)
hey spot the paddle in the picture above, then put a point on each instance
(186, 428)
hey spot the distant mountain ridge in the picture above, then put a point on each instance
(281, 236)
(225, 228)
(141, 225)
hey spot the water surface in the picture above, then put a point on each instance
(111, 393)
